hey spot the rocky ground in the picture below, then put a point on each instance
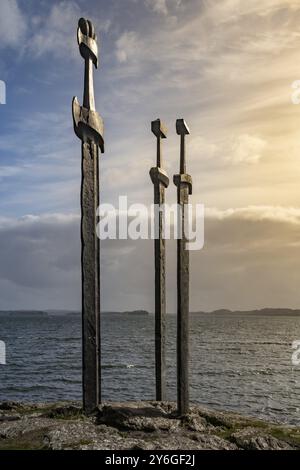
(140, 425)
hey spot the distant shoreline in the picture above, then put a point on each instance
(257, 312)
(260, 312)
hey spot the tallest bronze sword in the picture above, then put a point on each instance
(88, 126)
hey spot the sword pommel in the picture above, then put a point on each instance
(87, 41)
(182, 127)
(159, 129)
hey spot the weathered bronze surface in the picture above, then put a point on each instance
(183, 182)
(160, 181)
(88, 126)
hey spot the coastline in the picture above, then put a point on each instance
(136, 425)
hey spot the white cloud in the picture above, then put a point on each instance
(162, 6)
(243, 149)
(13, 24)
(127, 46)
(8, 171)
(246, 149)
(56, 34)
(228, 10)
(286, 215)
(201, 148)
(31, 221)
(159, 6)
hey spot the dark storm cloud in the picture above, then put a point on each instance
(250, 260)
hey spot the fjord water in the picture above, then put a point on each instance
(239, 362)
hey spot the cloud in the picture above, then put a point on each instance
(192, 68)
(231, 10)
(158, 6)
(287, 215)
(162, 6)
(39, 252)
(13, 24)
(42, 174)
(201, 148)
(247, 262)
(246, 149)
(227, 68)
(8, 171)
(127, 46)
(250, 260)
(40, 265)
(56, 32)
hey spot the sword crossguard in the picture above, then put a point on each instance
(182, 179)
(88, 125)
(158, 175)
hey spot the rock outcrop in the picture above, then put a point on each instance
(136, 426)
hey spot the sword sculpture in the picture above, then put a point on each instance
(88, 126)
(160, 181)
(183, 182)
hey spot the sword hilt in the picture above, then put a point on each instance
(157, 173)
(88, 125)
(183, 178)
(88, 48)
(182, 130)
(160, 132)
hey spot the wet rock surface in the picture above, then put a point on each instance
(137, 425)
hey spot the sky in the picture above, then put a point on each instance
(225, 66)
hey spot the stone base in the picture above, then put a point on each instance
(138, 425)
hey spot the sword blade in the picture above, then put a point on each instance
(90, 276)
(183, 307)
(160, 296)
